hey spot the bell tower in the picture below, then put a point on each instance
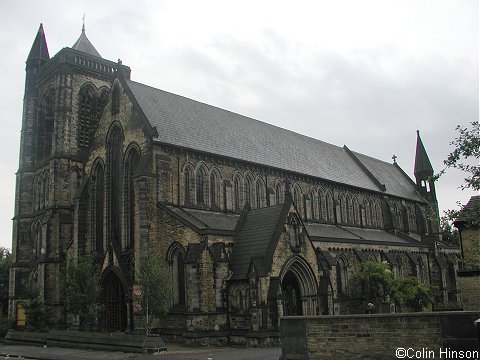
(64, 100)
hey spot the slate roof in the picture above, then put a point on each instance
(39, 50)
(423, 167)
(390, 175)
(191, 124)
(204, 221)
(470, 209)
(256, 239)
(84, 45)
(339, 233)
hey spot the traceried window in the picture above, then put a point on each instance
(86, 115)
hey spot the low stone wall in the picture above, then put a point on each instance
(435, 335)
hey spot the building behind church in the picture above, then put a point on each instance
(255, 222)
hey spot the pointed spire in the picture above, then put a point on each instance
(39, 50)
(83, 44)
(423, 167)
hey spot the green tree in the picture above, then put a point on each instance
(81, 287)
(156, 290)
(465, 155)
(380, 286)
(5, 262)
(411, 293)
(449, 233)
(375, 279)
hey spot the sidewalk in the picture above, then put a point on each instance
(175, 352)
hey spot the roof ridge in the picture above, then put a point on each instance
(365, 169)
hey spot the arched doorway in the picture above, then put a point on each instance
(299, 288)
(292, 304)
(115, 311)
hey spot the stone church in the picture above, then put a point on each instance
(256, 222)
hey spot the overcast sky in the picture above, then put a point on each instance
(366, 74)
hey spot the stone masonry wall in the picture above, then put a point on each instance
(470, 286)
(423, 335)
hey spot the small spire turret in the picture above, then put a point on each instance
(39, 51)
(83, 44)
(424, 171)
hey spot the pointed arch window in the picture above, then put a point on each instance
(99, 179)
(343, 209)
(102, 99)
(178, 277)
(368, 213)
(356, 211)
(297, 198)
(278, 193)
(248, 189)
(188, 189)
(342, 275)
(129, 196)
(314, 204)
(259, 193)
(214, 189)
(322, 205)
(237, 193)
(114, 157)
(45, 126)
(200, 186)
(330, 210)
(350, 216)
(86, 115)
(399, 267)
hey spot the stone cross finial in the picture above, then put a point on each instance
(394, 157)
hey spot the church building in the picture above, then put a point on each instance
(255, 222)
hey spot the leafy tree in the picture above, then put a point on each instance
(467, 148)
(449, 233)
(81, 286)
(411, 293)
(379, 285)
(5, 262)
(376, 280)
(156, 290)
